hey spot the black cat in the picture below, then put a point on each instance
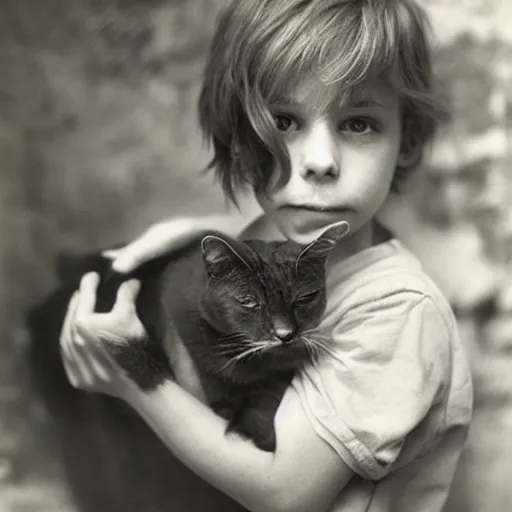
(245, 311)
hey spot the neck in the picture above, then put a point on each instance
(369, 235)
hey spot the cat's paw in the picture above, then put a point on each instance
(146, 364)
(252, 425)
(266, 441)
(223, 411)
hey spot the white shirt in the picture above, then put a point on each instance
(393, 397)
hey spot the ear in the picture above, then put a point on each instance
(221, 255)
(322, 246)
(409, 156)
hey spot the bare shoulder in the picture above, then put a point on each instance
(261, 228)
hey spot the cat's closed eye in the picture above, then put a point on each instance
(248, 302)
(308, 297)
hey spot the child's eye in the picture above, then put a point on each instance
(357, 125)
(284, 123)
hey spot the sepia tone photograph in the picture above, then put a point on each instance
(255, 255)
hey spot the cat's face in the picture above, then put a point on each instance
(263, 300)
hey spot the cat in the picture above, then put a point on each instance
(244, 310)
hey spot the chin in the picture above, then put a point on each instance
(299, 237)
(305, 233)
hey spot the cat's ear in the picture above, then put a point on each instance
(221, 255)
(322, 246)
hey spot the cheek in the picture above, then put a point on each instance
(369, 173)
(295, 152)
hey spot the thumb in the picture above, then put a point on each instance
(111, 254)
(158, 240)
(143, 249)
(126, 296)
(126, 310)
(131, 256)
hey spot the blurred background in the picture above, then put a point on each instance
(98, 139)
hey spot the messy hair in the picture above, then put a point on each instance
(262, 49)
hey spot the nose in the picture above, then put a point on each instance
(283, 329)
(320, 161)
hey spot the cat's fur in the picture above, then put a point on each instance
(244, 310)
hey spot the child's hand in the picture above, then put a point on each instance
(84, 334)
(156, 241)
(164, 237)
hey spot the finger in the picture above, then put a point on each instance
(132, 328)
(104, 363)
(144, 248)
(73, 375)
(159, 239)
(79, 362)
(65, 333)
(111, 254)
(68, 370)
(80, 358)
(74, 362)
(66, 339)
(126, 296)
(87, 295)
(91, 359)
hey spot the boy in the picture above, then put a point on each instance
(321, 107)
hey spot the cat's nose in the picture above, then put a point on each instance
(283, 329)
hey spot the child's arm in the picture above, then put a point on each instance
(304, 474)
(170, 235)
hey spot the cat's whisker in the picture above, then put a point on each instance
(246, 353)
(316, 349)
(243, 341)
(261, 343)
(240, 343)
(310, 347)
(270, 344)
(316, 336)
(313, 332)
(231, 337)
(227, 351)
(320, 344)
(249, 352)
(232, 348)
(265, 345)
(232, 342)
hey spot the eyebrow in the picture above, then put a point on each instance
(365, 103)
(360, 103)
(285, 102)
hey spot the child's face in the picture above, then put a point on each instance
(342, 158)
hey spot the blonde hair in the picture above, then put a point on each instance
(262, 49)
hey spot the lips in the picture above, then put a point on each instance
(315, 208)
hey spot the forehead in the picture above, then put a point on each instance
(315, 95)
